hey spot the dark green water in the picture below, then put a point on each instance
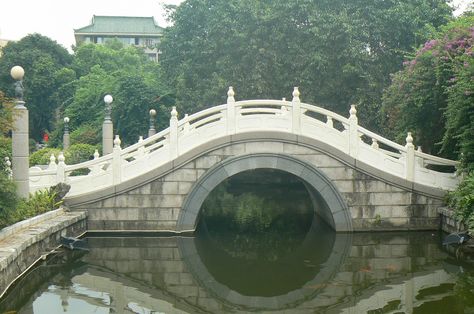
(251, 255)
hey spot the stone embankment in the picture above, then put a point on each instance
(27, 241)
(448, 221)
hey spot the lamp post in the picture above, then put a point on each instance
(152, 130)
(107, 127)
(20, 136)
(66, 140)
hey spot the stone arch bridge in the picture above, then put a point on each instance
(357, 179)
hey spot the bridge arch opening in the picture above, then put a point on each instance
(328, 203)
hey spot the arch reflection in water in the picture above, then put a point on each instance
(383, 272)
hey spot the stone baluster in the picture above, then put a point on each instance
(141, 148)
(186, 125)
(151, 129)
(329, 122)
(353, 132)
(95, 168)
(52, 163)
(117, 161)
(375, 144)
(419, 160)
(231, 117)
(410, 158)
(296, 105)
(8, 167)
(61, 169)
(174, 133)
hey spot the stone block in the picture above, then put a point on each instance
(337, 173)
(296, 150)
(207, 161)
(187, 175)
(321, 160)
(230, 150)
(184, 187)
(263, 147)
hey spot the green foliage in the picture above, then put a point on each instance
(78, 153)
(86, 134)
(42, 156)
(6, 117)
(433, 95)
(43, 60)
(462, 201)
(75, 154)
(8, 199)
(38, 203)
(339, 52)
(128, 75)
(5, 150)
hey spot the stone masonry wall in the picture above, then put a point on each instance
(374, 203)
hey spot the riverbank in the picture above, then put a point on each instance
(23, 243)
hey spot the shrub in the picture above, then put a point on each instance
(41, 157)
(8, 199)
(5, 150)
(78, 153)
(462, 201)
(38, 203)
(86, 134)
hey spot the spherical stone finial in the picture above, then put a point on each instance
(152, 113)
(296, 92)
(66, 119)
(409, 138)
(353, 110)
(108, 99)
(230, 92)
(17, 73)
(174, 113)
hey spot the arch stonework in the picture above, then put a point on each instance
(336, 213)
(363, 197)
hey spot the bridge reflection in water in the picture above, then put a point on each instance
(334, 273)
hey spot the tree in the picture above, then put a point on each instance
(42, 59)
(129, 76)
(338, 52)
(434, 93)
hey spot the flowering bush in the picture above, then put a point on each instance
(433, 95)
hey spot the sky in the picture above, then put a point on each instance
(57, 19)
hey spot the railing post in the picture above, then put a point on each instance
(410, 158)
(231, 118)
(61, 169)
(174, 133)
(141, 148)
(117, 161)
(419, 160)
(296, 111)
(52, 163)
(353, 132)
(96, 168)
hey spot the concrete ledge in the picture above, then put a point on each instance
(15, 228)
(24, 243)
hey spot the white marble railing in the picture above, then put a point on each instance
(234, 117)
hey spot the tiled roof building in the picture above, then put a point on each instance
(130, 30)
